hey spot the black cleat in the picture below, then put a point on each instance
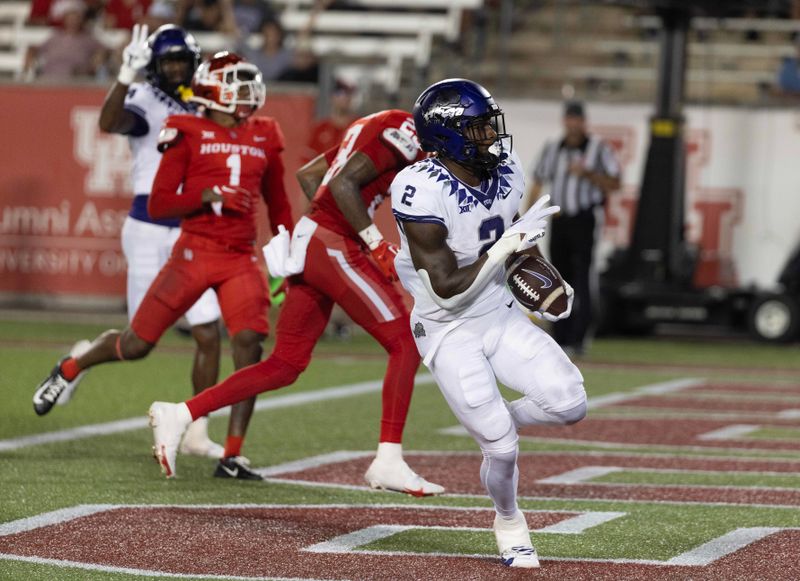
(235, 467)
(50, 390)
(56, 388)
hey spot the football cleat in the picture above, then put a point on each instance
(397, 476)
(514, 542)
(169, 421)
(197, 443)
(236, 467)
(520, 557)
(57, 387)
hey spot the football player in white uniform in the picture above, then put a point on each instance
(169, 58)
(456, 214)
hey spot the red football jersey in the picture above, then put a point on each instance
(199, 154)
(389, 139)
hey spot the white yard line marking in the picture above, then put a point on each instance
(733, 432)
(652, 389)
(580, 475)
(717, 548)
(791, 414)
(312, 462)
(580, 523)
(278, 402)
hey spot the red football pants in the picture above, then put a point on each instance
(197, 264)
(337, 271)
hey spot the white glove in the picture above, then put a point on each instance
(532, 224)
(281, 261)
(276, 252)
(135, 56)
(553, 318)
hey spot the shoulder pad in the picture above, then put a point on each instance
(402, 142)
(167, 137)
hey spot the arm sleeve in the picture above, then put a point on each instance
(273, 189)
(274, 193)
(164, 201)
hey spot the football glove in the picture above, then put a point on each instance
(553, 318)
(383, 255)
(135, 56)
(532, 224)
(232, 198)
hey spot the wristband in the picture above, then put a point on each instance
(371, 236)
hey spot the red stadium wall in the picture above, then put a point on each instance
(64, 189)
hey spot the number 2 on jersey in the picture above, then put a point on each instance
(490, 229)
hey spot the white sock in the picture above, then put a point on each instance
(183, 413)
(389, 452)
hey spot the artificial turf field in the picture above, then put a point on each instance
(688, 467)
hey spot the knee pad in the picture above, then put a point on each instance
(573, 415)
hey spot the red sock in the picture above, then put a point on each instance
(233, 446)
(70, 369)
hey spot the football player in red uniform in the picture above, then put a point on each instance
(212, 170)
(328, 261)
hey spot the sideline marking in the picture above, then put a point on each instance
(281, 401)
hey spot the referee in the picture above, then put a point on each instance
(581, 170)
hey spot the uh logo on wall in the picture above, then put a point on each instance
(712, 212)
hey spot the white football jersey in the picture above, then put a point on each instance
(154, 106)
(475, 217)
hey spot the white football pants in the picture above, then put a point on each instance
(504, 345)
(147, 248)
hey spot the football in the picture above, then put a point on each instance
(537, 285)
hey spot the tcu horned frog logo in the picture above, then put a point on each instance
(107, 157)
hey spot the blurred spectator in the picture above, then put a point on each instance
(125, 13)
(329, 132)
(42, 12)
(71, 51)
(250, 14)
(206, 15)
(276, 60)
(161, 12)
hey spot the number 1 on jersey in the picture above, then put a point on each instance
(234, 162)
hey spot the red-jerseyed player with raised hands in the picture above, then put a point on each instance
(213, 169)
(328, 261)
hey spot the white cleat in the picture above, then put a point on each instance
(77, 350)
(514, 542)
(169, 421)
(397, 476)
(197, 443)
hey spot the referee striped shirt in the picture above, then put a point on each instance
(572, 193)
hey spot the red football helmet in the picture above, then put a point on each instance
(228, 83)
